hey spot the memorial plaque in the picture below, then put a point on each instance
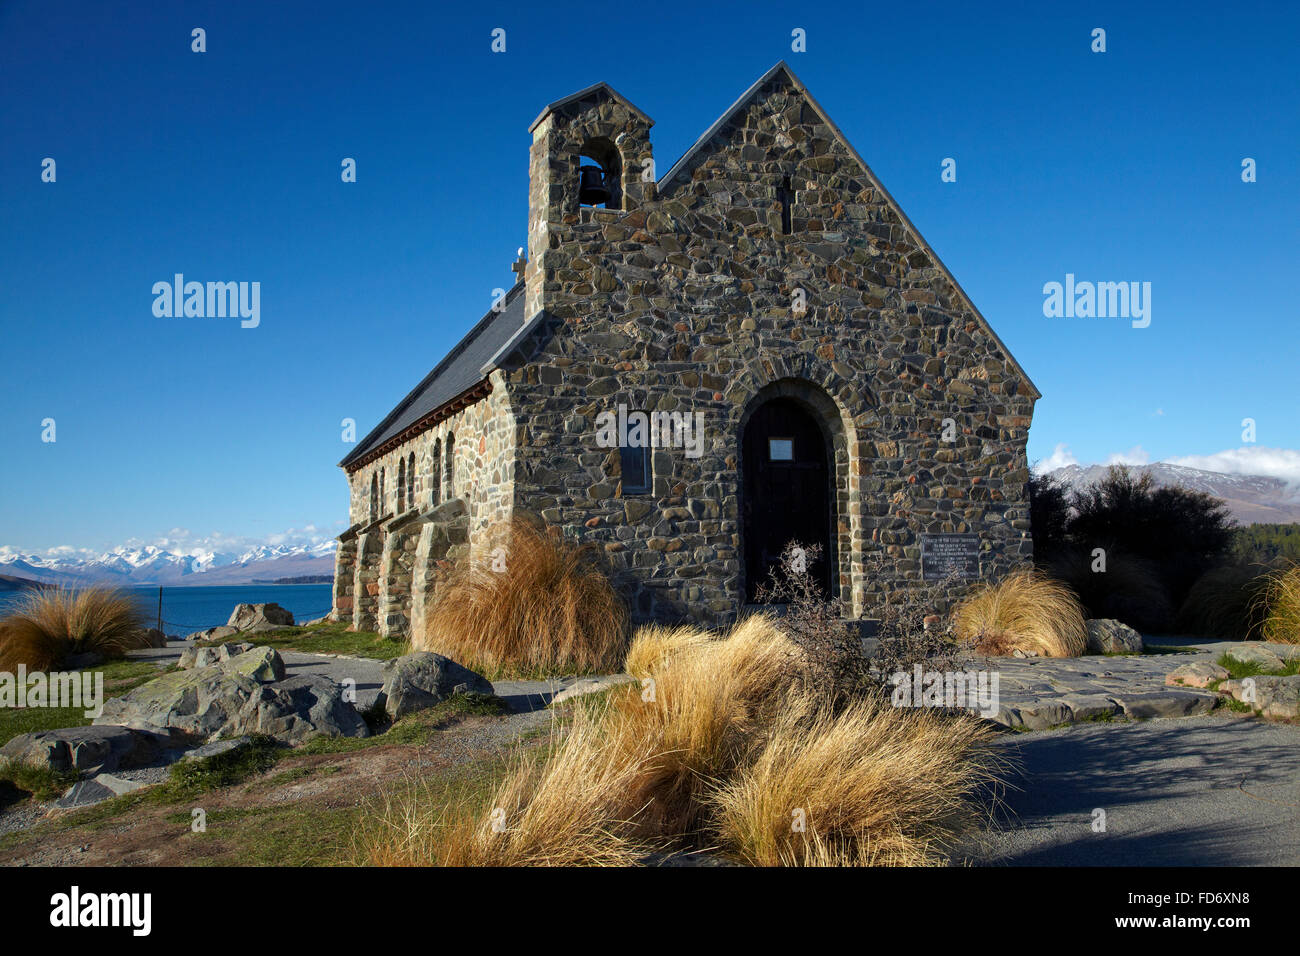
(943, 555)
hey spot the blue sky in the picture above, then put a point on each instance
(1119, 166)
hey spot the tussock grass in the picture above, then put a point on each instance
(870, 786)
(47, 626)
(553, 610)
(1024, 611)
(1281, 598)
(725, 739)
(1226, 602)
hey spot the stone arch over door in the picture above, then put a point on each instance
(783, 404)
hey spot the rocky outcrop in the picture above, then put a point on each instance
(259, 617)
(1271, 696)
(90, 748)
(201, 656)
(1108, 636)
(244, 694)
(421, 680)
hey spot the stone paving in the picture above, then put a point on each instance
(1037, 693)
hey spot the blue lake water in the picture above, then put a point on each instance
(194, 608)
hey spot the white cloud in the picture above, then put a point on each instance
(1059, 458)
(1136, 455)
(1283, 463)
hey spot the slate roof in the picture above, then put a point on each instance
(462, 369)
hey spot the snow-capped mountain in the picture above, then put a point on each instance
(153, 565)
(1251, 499)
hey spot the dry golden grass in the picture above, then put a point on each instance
(1281, 597)
(653, 644)
(1226, 602)
(549, 810)
(552, 610)
(1024, 611)
(703, 751)
(870, 786)
(47, 626)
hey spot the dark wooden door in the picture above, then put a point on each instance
(786, 490)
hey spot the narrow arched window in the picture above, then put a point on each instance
(401, 484)
(449, 477)
(435, 477)
(374, 496)
(383, 493)
(410, 480)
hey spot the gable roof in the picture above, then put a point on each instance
(595, 87)
(464, 367)
(679, 168)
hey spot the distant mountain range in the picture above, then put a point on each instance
(1251, 499)
(152, 565)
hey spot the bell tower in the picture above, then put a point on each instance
(590, 150)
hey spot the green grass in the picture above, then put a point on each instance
(189, 778)
(1238, 670)
(39, 782)
(328, 638)
(119, 677)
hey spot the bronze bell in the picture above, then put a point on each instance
(592, 190)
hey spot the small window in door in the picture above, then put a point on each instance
(635, 465)
(780, 449)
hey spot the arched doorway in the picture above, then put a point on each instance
(787, 474)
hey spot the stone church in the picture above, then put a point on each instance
(696, 367)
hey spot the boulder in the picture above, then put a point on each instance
(201, 656)
(212, 634)
(261, 663)
(104, 786)
(418, 681)
(1198, 674)
(89, 748)
(231, 699)
(152, 637)
(259, 617)
(298, 709)
(1276, 697)
(1108, 636)
(1264, 657)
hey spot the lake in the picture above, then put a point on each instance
(190, 609)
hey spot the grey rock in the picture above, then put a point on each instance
(212, 634)
(1165, 703)
(591, 685)
(1108, 636)
(202, 656)
(216, 748)
(152, 637)
(101, 787)
(1090, 706)
(1261, 655)
(418, 681)
(229, 700)
(1197, 674)
(1275, 697)
(300, 708)
(89, 748)
(250, 617)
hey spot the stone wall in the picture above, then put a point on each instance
(687, 302)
